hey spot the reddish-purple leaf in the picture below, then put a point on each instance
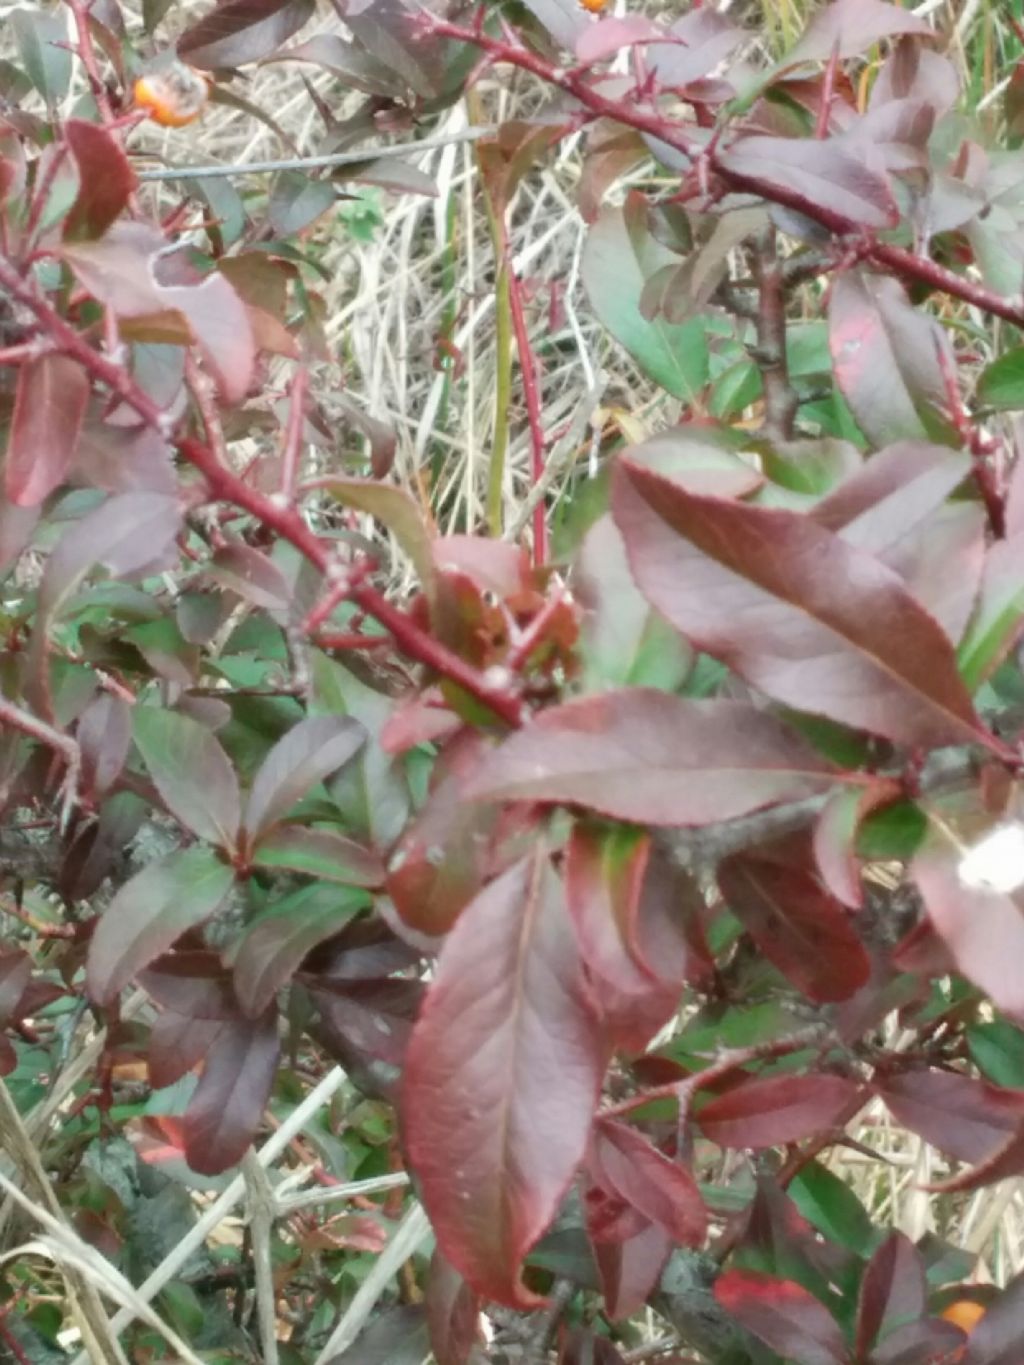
(252, 575)
(126, 535)
(320, 853)
(358, 69)
(968, 1118)
(942, 564)
(16, 527)
(273, 947)
(307, 754)
(853, 26)
(835, 837)
(227, 1107)
(631, 910)
(999, 620)
(630, 1269)
(49, 408)
(453, 1314)
(784, 1315)
(15, 970)
(642, 755)
(1003, 1163)
(824, 175)
(899, 488)
(177, 1044)
(447, 852)
(502, 1077)
(241, 31)
(703, 39)
(194, 983)
(885, 355)
(610, 36)
(982, 928)
(776, 1110)
(130, 271)
(150, 912)
(644, 1178)
(796, 923)
(604, 874)
(104, 737)
(928, 1342)
(106, 179)
(997, 1337)
(795, 610)
(368, 1024)
(191, 772)
(893, 1292)
(913, 74)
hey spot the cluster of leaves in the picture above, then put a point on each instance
(588, 870)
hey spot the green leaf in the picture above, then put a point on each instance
(833, 1208)
(395, 509)
(309, 752)
(275, 944)
(320, 853)
(191, 772)
(152, 911)
(1001, 385)
(616, 264)
(892, 833)
(622, 640)
(999, 616)
(42, 39)
(371, 791)
(997, 1049)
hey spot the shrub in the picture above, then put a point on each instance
(635, 832)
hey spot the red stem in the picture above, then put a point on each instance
(225, 485)
(901, 262)
(87, 53)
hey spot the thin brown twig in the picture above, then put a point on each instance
(726, 1062)
(780, 399)
(293, 434)
(531, 393)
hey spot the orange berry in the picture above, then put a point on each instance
(174, 96)
(593, 6)
(965, 1314)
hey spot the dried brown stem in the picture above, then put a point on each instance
(780, 399)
